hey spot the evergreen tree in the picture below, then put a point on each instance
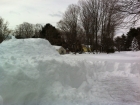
(120, 43)
(134, 45)
(130, 35)
(123, 42)
(50, 33)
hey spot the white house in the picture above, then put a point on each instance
(60, 49)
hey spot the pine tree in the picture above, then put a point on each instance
(134, 45)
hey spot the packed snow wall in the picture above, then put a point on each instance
(40, 76)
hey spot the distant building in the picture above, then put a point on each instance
(60, 49)
(86, 48)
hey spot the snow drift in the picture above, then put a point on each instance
(33, 73)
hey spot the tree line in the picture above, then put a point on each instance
(90, 22)
(123, 42)
(28, 30)
(98, 20)
(4, 30)
(94, 22)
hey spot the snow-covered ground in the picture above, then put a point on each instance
(33, 73)
(126, 56)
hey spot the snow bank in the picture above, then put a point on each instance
(40, 76)
(27, 47)
(125, 56)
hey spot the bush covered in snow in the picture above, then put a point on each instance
(134, 45)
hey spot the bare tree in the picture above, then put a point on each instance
(4, 30)
(99, 19)
(85, 19)
(69, 25)
(89, 19)
(25, 30)
(95, 11)
(132, 10)
(37, 30)
(110, 20)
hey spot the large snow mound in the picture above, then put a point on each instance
(27, 47)
(40, 76)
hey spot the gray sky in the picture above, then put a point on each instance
(36, 11)
(33, 11)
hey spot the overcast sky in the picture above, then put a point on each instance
(36, 11)
(33, 11)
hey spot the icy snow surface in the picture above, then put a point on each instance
(33, 73)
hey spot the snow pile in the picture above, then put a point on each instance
(33, 73)
(27, 47)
